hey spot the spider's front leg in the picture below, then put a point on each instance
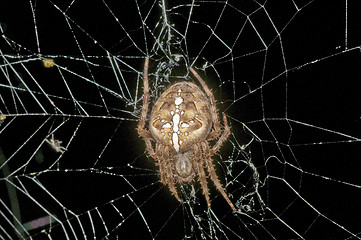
(201, 173)
(213, 174)
(165, 169)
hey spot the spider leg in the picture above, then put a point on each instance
(162, 170)
(202, 175)
(223, 138)
(213, 175)
(149, 146)
(205, 147)
(145, 106)
(217, 126)
(166, 172)
(147, 136)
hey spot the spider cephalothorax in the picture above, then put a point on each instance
(182, 121)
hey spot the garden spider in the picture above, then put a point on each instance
(182, 121)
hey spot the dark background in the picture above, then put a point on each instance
(296, 88)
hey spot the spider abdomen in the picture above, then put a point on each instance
(181, 116)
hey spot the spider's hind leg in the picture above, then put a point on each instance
(146, 96)
(214, 113)
(223, 137)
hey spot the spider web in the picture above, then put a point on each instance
(285, 73)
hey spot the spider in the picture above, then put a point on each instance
(55, 144)
(183, 119)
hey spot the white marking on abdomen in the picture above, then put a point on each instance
(176, 119)
(175, 141)
(167, 125)
(178, 101)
